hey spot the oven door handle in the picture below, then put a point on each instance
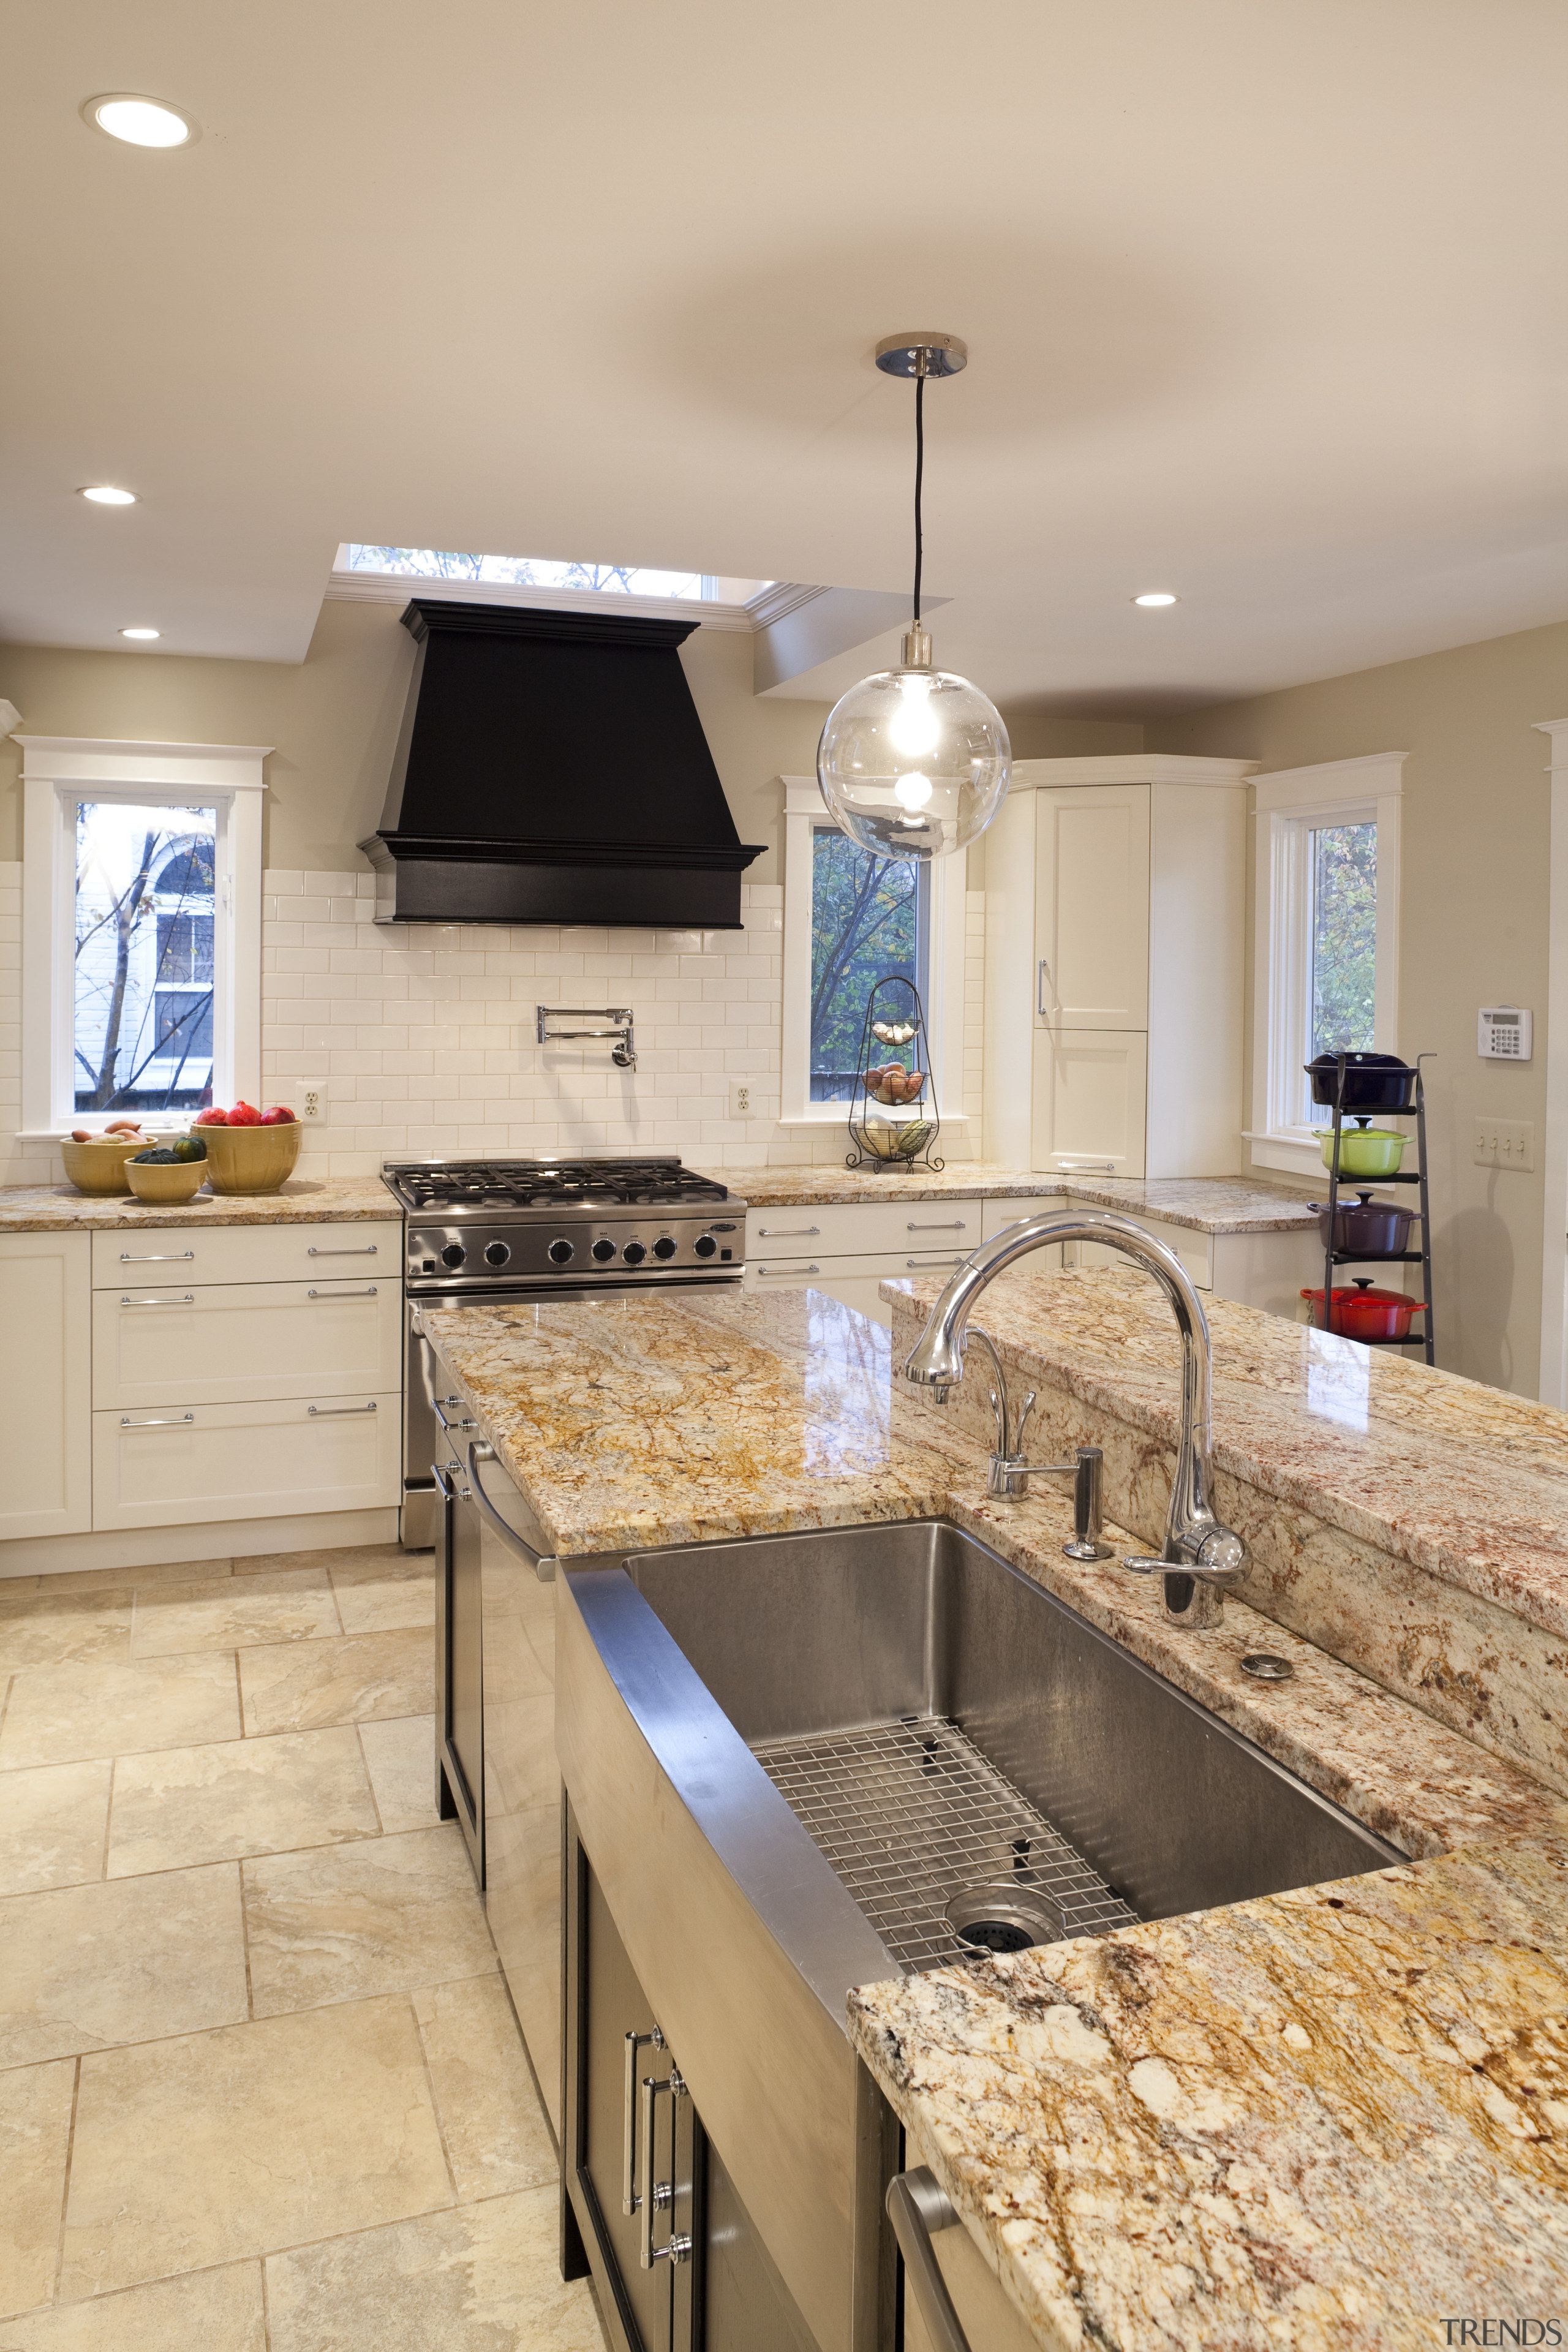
(545, 1569)
(917, 2206)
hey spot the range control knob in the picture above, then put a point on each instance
(634, 1253)
(454, 1253)
(664, 1246)
(559, 1252)
(604, 1250)
(495, 1253)
(705, 1245)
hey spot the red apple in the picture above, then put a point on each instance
(211, 1117)
(277, 1117)
(244, 1113)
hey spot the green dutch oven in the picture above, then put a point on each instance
(1365, 1150)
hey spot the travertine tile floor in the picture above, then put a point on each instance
(261, 2089)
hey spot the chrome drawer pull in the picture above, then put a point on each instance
(920, 1262)
(369, 1292)
(631, 2201)
(1086, 1168)
(327, 1411)
(658, 2195)
(155, 1257)
(169, 1420)
(368, 1252)
(956, 1227)
(788, 1233)
(438, 1401)
(789, 1269)
(917, 2208)
(189, 1299)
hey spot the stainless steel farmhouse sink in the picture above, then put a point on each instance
(796, 1764)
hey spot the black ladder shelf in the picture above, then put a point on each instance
(1425, 1338)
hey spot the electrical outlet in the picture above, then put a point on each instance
(1505, 1143)
(312, 1101)
(739, 1098)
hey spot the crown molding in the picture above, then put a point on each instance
(771, 603)
(1132, 768)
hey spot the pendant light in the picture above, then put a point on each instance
(915, 762)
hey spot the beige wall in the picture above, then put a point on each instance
(1475, 842)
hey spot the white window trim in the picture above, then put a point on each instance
(1288, 802)
(57, 769)
(804, 807)
(1553, 1384)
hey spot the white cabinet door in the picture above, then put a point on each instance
(1091, 907)
(183, 1464)
(861, 1228)
(46, 1383)
(224, 1342)
(1090, 1091)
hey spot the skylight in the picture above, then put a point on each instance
(535, 572)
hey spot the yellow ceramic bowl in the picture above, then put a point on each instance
(168, 1182)
(250, 1158)
(99, 1166)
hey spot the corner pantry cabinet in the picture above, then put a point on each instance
(176, 1374)
(1115, 909)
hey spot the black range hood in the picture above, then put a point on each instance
(551, 769)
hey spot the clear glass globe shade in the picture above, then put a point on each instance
(914, 763)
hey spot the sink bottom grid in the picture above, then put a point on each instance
(912, 1816)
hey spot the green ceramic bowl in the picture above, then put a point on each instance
(1365, 1150)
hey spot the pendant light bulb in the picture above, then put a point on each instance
(915, 762)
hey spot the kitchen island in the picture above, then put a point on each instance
(1329, 2116)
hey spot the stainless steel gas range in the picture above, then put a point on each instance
(490, 1232)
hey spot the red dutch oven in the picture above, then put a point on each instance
(1365, 1313)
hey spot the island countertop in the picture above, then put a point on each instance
(1262, 2126)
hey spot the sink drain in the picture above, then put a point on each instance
(1001, 1916)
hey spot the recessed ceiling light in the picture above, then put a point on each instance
(104, 494)
(140, 633)
(140, 121)
(1156, 596)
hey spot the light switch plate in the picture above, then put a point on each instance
(1505, 1143)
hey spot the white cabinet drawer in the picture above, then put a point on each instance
(846, 1228)
(994, 1214)
(773, 1274)
(191, 1253)
(224, 1342)
(187, 1464)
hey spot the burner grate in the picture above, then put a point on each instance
(910, 1815)
(563, 1184)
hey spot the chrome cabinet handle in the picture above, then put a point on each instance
(369, 1251)
(956, 1225)
(1044, 974)
(155, 1257)
(788, 1233)
(920, 1263)
(789, 1269)
(658, 2195)
(188, 1299)
(543, 1568)
(369, 1292)
(169, 1420)
(437, 1402)
(330, 1411)
(1086, 1167)
(631, 2201)
(917, 2208)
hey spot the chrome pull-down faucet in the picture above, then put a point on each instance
(1200, 1555)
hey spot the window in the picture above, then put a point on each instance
(1328, 940)
(870, 918)
(849, 920)
(141, 929)
(535, 572)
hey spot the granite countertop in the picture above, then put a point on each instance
(1319, 2118)
(1210, 1204)
(1469, 1483)
(304, 1200)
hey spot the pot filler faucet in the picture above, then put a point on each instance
(1200, 1556)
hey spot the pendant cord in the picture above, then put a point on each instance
(919, 468)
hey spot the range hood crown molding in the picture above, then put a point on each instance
(552, 768)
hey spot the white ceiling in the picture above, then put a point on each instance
(1265, 303)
